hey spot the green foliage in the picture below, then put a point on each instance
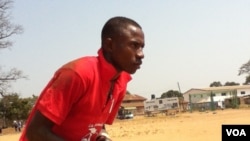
(231, 84)
(215, 84)
(171, 93)
(247, 81)
(245, 68)
(12, 107)
(218, 84)
(127, 92)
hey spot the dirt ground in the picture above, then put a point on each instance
(195, 126)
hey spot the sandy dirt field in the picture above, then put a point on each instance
(195, 126)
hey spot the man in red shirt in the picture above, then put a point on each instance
(86, 93)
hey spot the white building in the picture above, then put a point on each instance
(161, 104)
(219, 94)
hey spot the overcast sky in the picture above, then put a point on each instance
(190, 42)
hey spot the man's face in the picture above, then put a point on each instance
(127, 51)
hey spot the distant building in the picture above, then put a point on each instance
(203, 97)
(161, 104)
(134, 103)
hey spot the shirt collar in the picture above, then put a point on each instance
(108, 71)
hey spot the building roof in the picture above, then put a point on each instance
(228, 87)
(133, 97)
(216, 89)
(133, 100)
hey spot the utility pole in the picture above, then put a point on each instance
(179, 87)
(182, 98)
(212, 101)
(190, 103)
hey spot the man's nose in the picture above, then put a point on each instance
(140, 53)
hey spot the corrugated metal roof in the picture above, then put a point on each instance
(133, 100)
(228, 87)
(216, 89)
(133, 97)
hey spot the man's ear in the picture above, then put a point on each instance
(108, 45)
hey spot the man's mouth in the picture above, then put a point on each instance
(138, 64)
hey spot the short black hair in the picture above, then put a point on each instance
(115, 25)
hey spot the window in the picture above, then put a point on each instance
(242, 92)
(175, 105)
(160, 101)
(223, 94)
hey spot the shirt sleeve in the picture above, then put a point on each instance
(58, 97)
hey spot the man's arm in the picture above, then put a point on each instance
(40, 129)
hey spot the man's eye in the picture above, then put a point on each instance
(136, 45)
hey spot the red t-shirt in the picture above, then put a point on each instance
(76, 99)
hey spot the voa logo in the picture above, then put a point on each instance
(236, 132)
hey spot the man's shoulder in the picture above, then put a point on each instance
(81, 63)
(84, 66)
(86, 59)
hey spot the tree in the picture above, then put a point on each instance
(171, 93)
(7, 29)
(215, 84)
(231, 84)
(12, 107)
(127, 92)
(247, 81)
(245, 69)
